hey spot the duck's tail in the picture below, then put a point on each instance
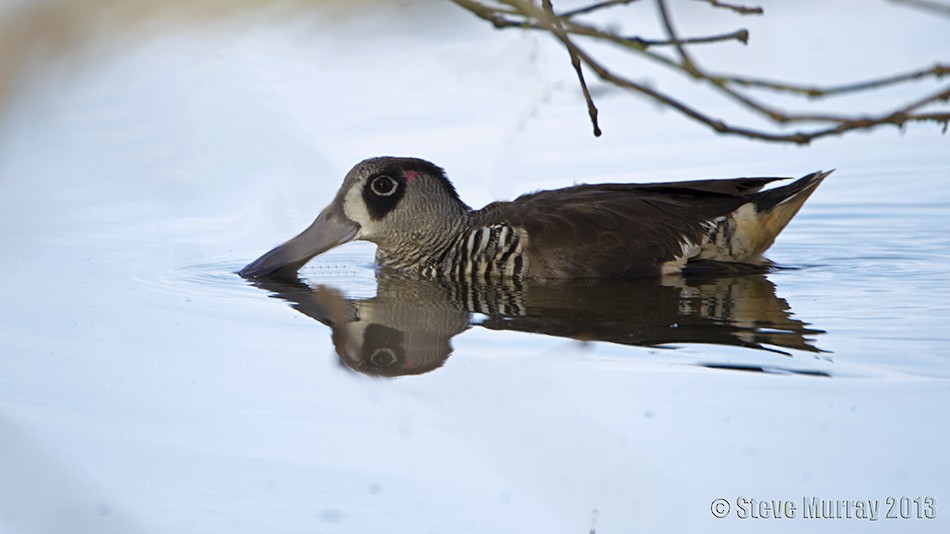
(749, 231)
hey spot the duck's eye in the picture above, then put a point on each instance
(383, 357)
(383, 186)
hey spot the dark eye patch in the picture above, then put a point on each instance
(382, 193)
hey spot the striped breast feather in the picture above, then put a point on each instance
(486, 252)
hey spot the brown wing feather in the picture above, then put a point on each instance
(616, 230)
(730, 187)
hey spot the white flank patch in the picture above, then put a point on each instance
(746, 224)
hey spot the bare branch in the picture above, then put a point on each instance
(594, 7)
(508, 19)
(802, 137)
(739, 35)
(936, 72)
(559, 32)
(687, 63)
(526, 14)
(742, 10)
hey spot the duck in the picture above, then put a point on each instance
(408, 207)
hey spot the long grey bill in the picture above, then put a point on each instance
(330, 229)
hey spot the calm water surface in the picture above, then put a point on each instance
(144, 387)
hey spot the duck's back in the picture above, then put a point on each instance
(630, 230)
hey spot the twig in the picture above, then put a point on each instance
(594, 7)
(573, 27)
(742, 10)
(559, 32)
(687, 64)
(739, 35)
(936, 72)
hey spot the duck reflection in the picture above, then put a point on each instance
(407, 328)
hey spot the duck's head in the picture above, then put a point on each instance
(393, 202)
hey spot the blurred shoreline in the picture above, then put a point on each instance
(77, 33)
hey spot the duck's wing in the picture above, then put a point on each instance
(621, 230)
(729, 187)
(610, 230)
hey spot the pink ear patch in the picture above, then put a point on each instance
(410, 175)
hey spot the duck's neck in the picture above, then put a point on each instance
(426, 246)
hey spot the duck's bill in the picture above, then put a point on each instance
(330, 229)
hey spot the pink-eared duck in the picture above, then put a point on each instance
(410, 210)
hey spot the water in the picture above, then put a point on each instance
(146, 388)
